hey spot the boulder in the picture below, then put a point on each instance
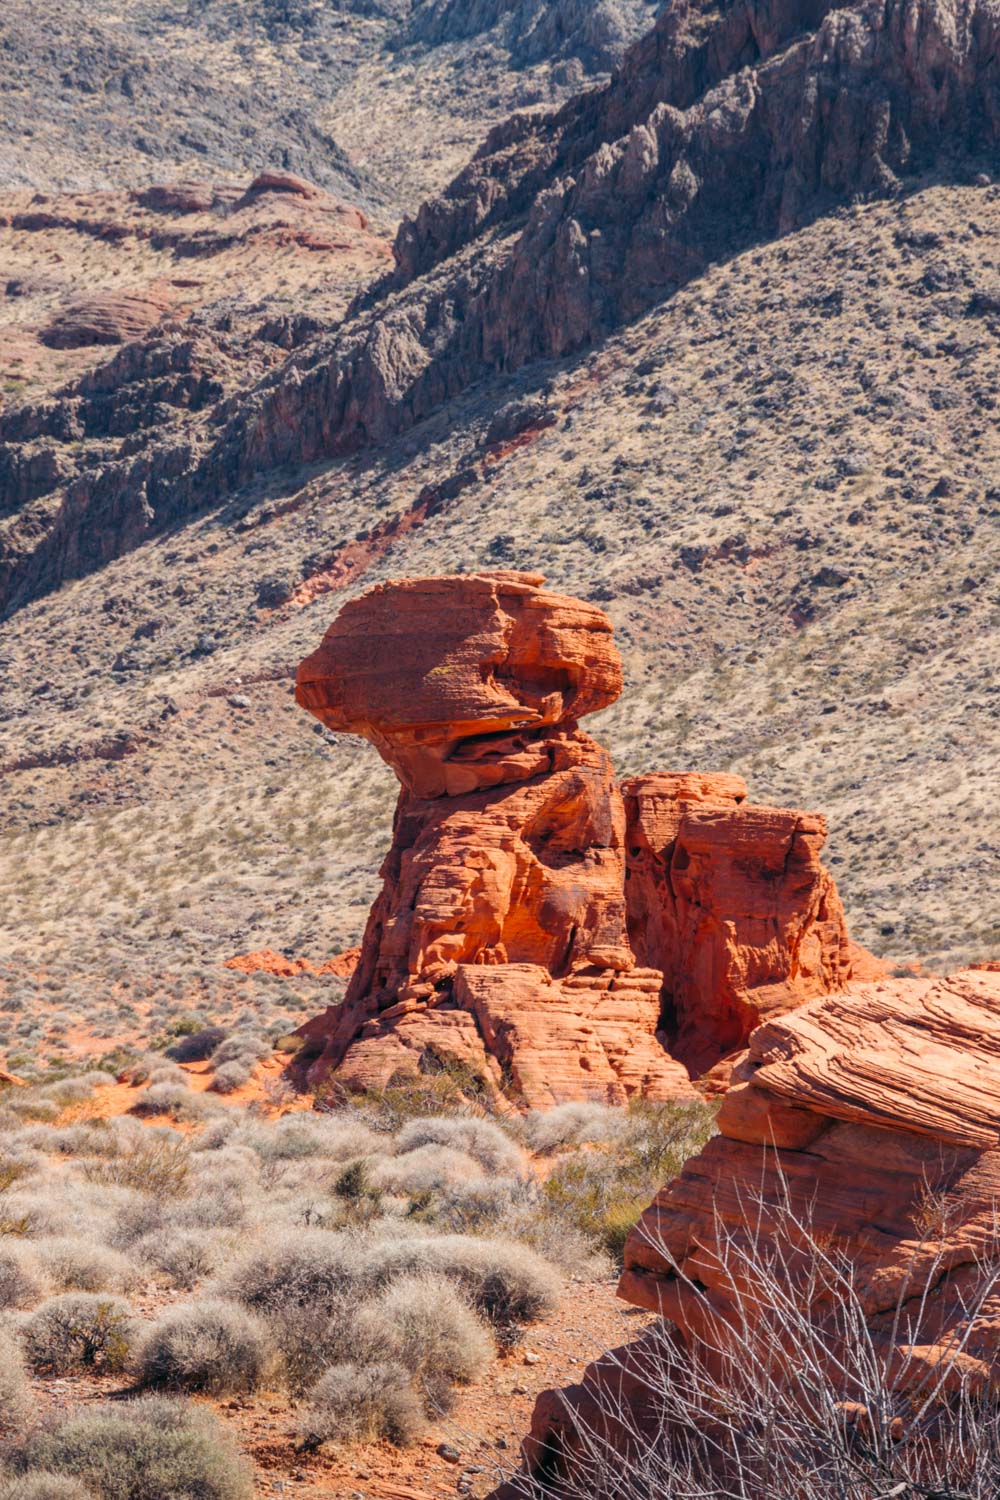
(864, 1131)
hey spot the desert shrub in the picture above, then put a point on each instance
(158, 1164)
(21, 1281)
(183, 1256)
(424, 1170)
(173, 1099)
(575, 1124)
(198, 1046)
(44, 1486)
(79, 1330)
(232, 1076)
(362, 1403)
(242, 1046)
(82, 1265)
(482, 1139)
(281, 1272)
(211, 1346)
(507, 1282)
(220, 1205)
(216, 1134)
(300, 1136)
(602, 1190)
(424, 1324)
(14, 1394)
(151, 1449)
(166, 1073)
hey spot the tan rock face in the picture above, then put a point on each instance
(732, 903)
(499, 938)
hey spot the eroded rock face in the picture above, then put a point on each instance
(873, 1115)
(731, 902)
(499, 938)
(535, 924)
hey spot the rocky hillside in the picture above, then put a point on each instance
(654, 344)
(718, 131)
(95, 95)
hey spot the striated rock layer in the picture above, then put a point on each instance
(503, 939)
(874, 1116)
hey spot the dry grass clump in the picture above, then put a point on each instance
(183, 1257)
(84, 1266)
(14, 1394)
(44, 1486)
(79, 1331)
(424, 1324)
(549, 1130)
(21, 1279)
(211, 1346)
(154, 1448)
(363, 1403)
(483, 1140)
(426, 1169)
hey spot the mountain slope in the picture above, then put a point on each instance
(562, 230)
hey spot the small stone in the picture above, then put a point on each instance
(237, 700)
(448, 1453)
(531, 1358)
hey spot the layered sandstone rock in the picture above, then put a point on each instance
(731, 902)
(499, 939)
(866, 1124)
(534, 924)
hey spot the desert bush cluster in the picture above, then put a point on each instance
(361, 1263)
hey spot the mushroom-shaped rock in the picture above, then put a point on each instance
(499, 938)
(452, 678)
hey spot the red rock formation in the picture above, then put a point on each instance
(731, 902)
(499, 938)
(267, 961)
(874, 1116)
(105, 318)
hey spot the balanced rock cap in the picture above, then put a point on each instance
(417, 666)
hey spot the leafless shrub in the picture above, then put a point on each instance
(793, 1387)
